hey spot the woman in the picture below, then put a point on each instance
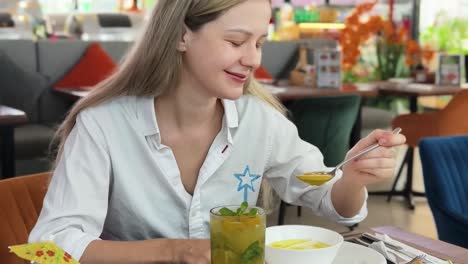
(182, 128)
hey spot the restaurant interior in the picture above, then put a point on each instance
(342, 68)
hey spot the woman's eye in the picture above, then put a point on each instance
(259, 45)
(236, 43)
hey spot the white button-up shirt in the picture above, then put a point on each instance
(117, 181)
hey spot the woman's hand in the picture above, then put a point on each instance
(374, 166)
(192, 251)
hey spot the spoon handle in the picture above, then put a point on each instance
(364, 151)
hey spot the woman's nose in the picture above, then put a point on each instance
(252, 57)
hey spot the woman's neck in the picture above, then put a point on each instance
(186, 109)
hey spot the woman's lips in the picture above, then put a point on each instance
(238, 77)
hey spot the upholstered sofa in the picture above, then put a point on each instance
(28, 71)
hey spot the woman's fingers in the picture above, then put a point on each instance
(379, 173)
(381, 152)
(383, 137)
(375, 163)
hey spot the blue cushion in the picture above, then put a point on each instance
(445, 169)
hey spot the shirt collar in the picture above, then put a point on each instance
(146, 116)
(149, 126)
(230, 116)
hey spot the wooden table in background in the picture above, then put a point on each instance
(286, 92)
(9, 118)
(413, 91)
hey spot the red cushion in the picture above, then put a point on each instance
(92, 68)
(262, 73)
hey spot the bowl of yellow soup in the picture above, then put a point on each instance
(301, 244)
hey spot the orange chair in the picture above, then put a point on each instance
(449, 121)
(20, 204)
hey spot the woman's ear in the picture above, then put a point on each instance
(183, 43)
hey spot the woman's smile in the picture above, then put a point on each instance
(238, 77)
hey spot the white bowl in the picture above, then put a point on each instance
(286, 232)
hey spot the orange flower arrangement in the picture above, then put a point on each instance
(415, 54)
(391, 42)
(356, 32)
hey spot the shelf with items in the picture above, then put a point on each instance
(294, 22)
(309, 19)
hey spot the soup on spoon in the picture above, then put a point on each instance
(315, 178)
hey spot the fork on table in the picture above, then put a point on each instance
(420, 258)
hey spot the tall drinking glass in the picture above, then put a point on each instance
(237, 239)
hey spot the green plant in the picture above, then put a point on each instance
(388, 57)
(448, 34)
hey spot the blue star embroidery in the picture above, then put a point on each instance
(246, 180)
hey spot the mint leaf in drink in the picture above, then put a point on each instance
(226, 212)
(251, 253)
(242, 208)
(252, 212)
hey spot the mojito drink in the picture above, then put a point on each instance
(237, 235)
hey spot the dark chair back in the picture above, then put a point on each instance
(326, 122)
(445, 169)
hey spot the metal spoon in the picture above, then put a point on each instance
(320, 177)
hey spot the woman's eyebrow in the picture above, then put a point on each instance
(245, 32)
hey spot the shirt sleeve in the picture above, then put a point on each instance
(75, 206)
(291, 156)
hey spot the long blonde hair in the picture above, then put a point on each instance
(153, 65)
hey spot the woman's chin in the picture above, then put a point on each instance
(234, 96)
(230, 96)
(231, 93)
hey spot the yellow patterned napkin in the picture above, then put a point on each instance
(43, 253)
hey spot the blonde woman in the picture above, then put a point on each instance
(181, 128)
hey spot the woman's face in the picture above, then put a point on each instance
(220, 57)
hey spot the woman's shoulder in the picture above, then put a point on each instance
(254, 112)
(250, 106)
(114, 109)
